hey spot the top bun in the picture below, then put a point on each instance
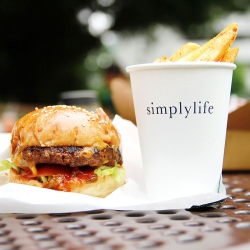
(63, 125)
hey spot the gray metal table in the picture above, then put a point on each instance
(223, 226)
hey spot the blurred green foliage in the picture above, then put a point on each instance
(238, 81)
(43, 46)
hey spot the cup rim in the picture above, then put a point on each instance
(193, 64)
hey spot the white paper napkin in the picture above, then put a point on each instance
(18, 198)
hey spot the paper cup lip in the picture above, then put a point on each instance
(193, 64)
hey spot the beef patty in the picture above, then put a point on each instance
(73, 156)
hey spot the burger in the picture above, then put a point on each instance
(67, 148)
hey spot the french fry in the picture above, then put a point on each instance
(157, 60)
(162, 59)
(230, 55)
(215, 48)
(183, 51)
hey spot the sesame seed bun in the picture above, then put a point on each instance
(64, 125)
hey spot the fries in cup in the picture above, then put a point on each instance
(218, 49)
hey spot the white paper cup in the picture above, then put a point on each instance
(181, 113)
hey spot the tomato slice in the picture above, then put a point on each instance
(53, 169)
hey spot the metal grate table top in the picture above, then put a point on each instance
(223, 226)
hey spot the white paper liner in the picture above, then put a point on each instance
(18, 198)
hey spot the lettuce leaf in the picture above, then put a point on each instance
(115, 172)
(5, 164)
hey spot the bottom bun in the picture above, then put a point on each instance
(100, 188)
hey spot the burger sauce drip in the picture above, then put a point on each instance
(74, 178)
